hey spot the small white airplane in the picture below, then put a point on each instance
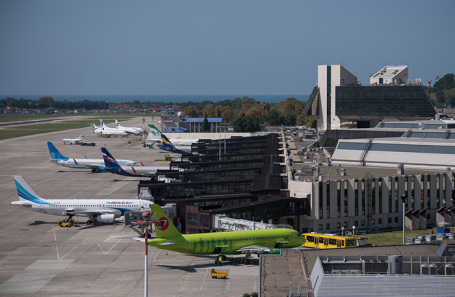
(112, 165)
(73, 140)
(107, 131)
(97, 210)
(96, 165)
(131, 130)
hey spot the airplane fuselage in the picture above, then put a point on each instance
(84, 163)
(231, 242)
(83, 207)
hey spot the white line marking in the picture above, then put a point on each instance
(159, 251)
(70, 251)
(109, 249)
(203, 281)
(56, 246)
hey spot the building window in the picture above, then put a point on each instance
(373, 221)
(396, 219)
(389, 220)
(379, 221)
(338, 225)
(320, 226)
(327, 226)
(428, 216)
(363, 222)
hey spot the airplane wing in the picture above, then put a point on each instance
(256, 249)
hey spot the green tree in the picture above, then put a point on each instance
(246, 124)
(191, 112)
(205, 125)
(445, 83)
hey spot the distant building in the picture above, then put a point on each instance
(172, 121)
(340, 102)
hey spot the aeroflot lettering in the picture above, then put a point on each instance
(163, 224)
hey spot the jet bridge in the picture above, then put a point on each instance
(221, 221)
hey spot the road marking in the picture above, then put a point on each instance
(69, 252)
(56, 246)
(109, 249)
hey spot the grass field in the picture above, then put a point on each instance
(394, 237)
(66, 124)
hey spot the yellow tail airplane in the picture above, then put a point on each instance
(268, 241)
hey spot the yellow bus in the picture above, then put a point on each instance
(328, 241)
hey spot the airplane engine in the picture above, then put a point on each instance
(99, 169)
(105, 218)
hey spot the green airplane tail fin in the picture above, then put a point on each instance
(154, 130)
(164, 227)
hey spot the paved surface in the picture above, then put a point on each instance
(38, 258)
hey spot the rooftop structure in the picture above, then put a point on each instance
(363, 271)
(390, 75)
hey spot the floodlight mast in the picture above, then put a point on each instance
(403, 199)
(146, 222)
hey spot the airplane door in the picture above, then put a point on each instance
(141, 205)
(187, 244)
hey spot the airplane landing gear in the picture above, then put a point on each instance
(246, 261)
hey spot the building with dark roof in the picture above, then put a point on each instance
(340, 102)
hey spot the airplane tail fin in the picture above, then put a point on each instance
(164, 227)
(101, 123)
(25, 191)
(117, 124)
(166, 142)
(54, 152)
(109, 160)
(154, 130)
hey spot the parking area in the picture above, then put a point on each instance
(38, 258)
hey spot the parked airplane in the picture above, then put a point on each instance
(113, 166)
(267, 241)
(97, 165)
(78, 140)
(131, 130)
(106, 131)
(97, 210)
(177, 142)
(167, 145)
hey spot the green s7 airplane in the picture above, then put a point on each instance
(267, 241)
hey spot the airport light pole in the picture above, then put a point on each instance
(146, 222)
(403, 199)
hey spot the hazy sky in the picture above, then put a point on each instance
(214, 47)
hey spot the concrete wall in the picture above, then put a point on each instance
(376, 204)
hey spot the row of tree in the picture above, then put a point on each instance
(248, 115)
(49, 102)
(244, 114)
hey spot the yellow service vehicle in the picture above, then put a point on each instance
(68, 223)
(219, 274)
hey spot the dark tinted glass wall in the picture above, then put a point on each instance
(400, 101)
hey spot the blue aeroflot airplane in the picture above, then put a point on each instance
(112, 165)
(96, 165)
